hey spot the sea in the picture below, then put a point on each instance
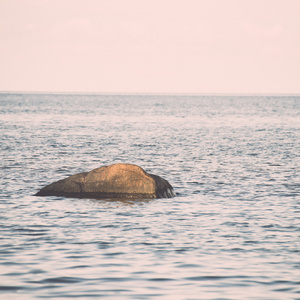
(232, 231)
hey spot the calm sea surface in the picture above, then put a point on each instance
(232, 232)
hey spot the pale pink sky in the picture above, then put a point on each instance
(151, 46)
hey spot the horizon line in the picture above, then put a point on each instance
(153, 93)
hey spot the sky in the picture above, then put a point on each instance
(150, 46)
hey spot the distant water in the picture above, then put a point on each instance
(233, 231)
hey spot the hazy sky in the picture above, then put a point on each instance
(180, 46)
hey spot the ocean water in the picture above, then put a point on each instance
(232, 231)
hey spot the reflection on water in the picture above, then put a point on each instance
(232, 232)
(119, 202)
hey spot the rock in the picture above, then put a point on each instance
(114, 181)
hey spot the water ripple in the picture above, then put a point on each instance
(232, 232)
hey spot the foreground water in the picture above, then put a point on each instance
(232, 232)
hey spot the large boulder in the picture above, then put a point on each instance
(114, 181)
